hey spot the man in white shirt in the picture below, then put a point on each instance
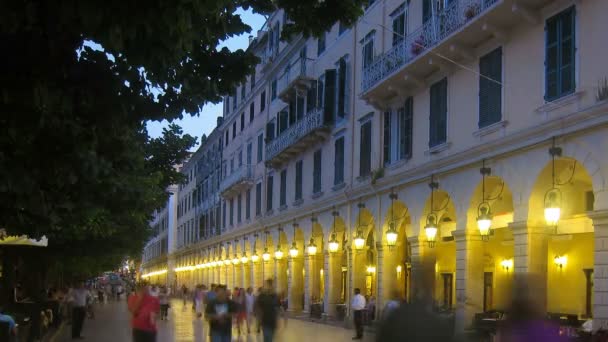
(357, 306)
(78, 298)
(249, 307)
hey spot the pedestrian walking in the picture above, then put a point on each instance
(78, 299)
(163, 299)
(267, 307)
(219, 313)
(143, 308)
(249, 308)
(358, 306)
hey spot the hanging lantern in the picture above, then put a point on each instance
(265, 255)
(293, 251)
(312, 247)
(359, 241)
(430, 229)
(333, 244)
(553, 197)
(227, 261)
(244, 258)
(484, 212)
(278, 254)
(391, 234)
(236, 260)
(255, 257)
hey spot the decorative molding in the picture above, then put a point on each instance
(559, 103)
(438, 148)
(495, 127)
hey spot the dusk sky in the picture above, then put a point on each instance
(206, 120)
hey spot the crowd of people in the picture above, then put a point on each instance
(222, 308)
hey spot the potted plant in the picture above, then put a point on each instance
(418, 45)
(471, 11)
(377, 174)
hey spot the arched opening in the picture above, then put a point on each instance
(296, 270)
(316, 270)
(570, 242)
(396, 264)
(337, 268)
(492, 200)
(280, 261)
(440, 256)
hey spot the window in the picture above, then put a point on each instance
(490, 92)
(227, 136)
(258, 199)
(273, 90)
(260, 147)
(231, 218)
(242, 121)
(227, 104)
(263, 101)
(368, 49)
(248, 204)
(240, 158)
(311, 97)
(234, 129)
(339, 161)
(320, 91)
(342, 87)
(283, 197)
(399, 24)
(316, 180)
(252, 79)
(269, 193)
(238, 208)
(251, 111)
(365, 160)
(277, 35)
(321, 44)
(439, 112)
(298, 181)
(234, 103)
(398, 133)
(559, 55)
(249, 152)
(243, 92)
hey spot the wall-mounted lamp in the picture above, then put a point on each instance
(371, 269)
(507, 264)
(560, 261)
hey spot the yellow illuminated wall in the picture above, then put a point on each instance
(566, 286)
(498, 248)
(445, 257)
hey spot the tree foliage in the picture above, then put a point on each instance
(79, 79)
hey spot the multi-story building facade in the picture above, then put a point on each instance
(498, 105)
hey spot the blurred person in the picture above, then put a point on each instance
(392, 304)
(219, 313)
(78, 298)
(357, 306)
(267, 307)
(249, 308)
(12, 326)
(184, 294)
(163, 299)
(241, 309)
(526, 320)
(143, 308)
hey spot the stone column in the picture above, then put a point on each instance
(245, 275)
(380, 292)
(333, 285)
(530, 257)
(307, 282)
(423, 269)
(280, 274)
(294, 284)
(600, 270)
(469, 278)
(350, 259)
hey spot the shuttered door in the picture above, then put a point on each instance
(387, 138)
(270, 131)
(341, 87)
(316, 183)
(292, 112)
(365, 148)
(299, 108)
(490, 92)
(339, 161)
(560, 51)
(426, 10)
(438, 117)
(311, 98)
(330, 96)
(269, 193)
(298, 180)
(406, 129)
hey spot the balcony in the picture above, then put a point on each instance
(308, 131)
(297, 78)
(239, 180)
(452, 33)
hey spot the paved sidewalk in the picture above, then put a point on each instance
(111, 324)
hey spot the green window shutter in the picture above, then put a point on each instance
(292, 112)
(387, 138)
(438, 113)
(560, 54)
(311, 98)
(269, 194)
(316, 184)
(406, 129)
(298, 180)
(426, 10)
(365, 148)
(299, 108)
(341, 87)
(330, 96)
(490, 92)
(339, 161)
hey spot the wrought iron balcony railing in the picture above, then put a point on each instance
(297, 75)
(241, 177)
(294, 135)
(437, 28)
